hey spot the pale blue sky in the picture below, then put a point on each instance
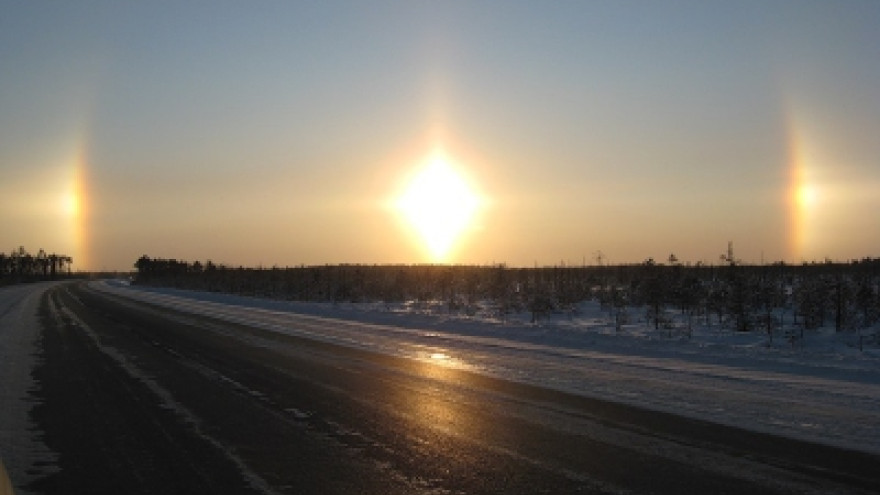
(277, 132)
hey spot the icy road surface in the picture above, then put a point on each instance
(21, 447)
(833, 400)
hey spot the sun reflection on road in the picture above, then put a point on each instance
(432, 406)
(440, 363)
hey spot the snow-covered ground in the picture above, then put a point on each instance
(821, 388)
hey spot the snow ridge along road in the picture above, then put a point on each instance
(831, 406)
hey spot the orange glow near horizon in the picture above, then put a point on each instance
(439, 204)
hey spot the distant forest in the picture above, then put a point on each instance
(734, 295)
(22, 266)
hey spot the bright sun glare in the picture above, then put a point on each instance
(439, 204)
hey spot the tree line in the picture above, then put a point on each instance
(21, 266)
(731, 294)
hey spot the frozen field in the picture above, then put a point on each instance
(821, 388)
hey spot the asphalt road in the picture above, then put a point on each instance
(138, 399)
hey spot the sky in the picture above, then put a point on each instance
(286, 133)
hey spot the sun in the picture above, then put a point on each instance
(439, 204)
